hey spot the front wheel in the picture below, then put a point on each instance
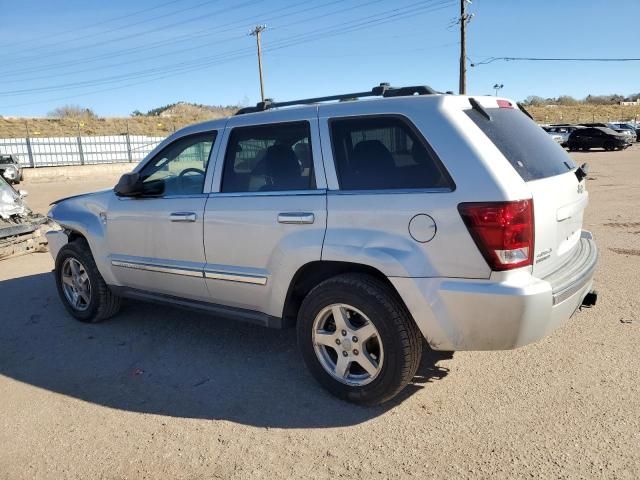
(358, 339)
(81, 288)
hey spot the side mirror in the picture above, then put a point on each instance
(23, 193)
(129, 185)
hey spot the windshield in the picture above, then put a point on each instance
(528, 148)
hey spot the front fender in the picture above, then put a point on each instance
(87, 215)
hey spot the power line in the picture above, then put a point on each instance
(209, 44)
(116, 29)
(187, 66)
(93, 25)
(161, 28)
(183, 67)
(549, 59)
(173, 41)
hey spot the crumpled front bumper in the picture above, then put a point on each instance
(459, 314)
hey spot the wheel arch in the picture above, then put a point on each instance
(313, 273)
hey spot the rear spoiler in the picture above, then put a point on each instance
(524, 110)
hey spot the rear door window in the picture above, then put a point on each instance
(526, 146)
(383, 152)
(267, 158)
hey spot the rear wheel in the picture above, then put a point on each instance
(81, 288)
(357, 339)
(609, 146)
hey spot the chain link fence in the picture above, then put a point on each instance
(82, 150)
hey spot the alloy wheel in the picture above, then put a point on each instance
(76, 284)
(347, 344)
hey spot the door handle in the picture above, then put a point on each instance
(296, 218)
(183, 217)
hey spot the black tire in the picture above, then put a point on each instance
(103, 303)
(398, 333)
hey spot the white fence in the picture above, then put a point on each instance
(58, 151)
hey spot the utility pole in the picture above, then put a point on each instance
(257, 32)
(464, 19)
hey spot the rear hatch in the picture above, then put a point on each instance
(559, 199)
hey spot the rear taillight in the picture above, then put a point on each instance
(503, 231)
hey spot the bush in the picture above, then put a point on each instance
(72, 111)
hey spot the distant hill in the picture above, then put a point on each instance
(186, 109)
(164, 120)
(158, 122)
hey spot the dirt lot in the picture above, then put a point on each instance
(160, 393)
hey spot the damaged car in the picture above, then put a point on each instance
(21, 230)
(10, 168)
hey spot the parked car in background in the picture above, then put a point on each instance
(633, 131)
(563, 130)
(597, 137)
(356, 221)
(630, 135)
(10, 168)
(556, 137)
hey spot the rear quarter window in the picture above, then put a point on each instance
(384, 152)
(529, 149)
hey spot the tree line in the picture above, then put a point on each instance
(614, 99)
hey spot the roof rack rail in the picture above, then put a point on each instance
(382, 90)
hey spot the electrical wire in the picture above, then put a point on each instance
(349, 23)
(183, 67)
(139, 34)
(547, 59)
(93, 25)
(106, 32)
(232, 26)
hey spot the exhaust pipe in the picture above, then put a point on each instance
(590, 299)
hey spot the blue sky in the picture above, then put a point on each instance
(119, 56)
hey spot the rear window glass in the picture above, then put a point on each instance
(528, 147)
(383, 152)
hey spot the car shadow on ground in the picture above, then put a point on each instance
(166, 361)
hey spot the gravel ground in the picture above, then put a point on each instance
(164, 393)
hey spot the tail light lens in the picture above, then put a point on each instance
(503, 231)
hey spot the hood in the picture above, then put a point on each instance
(90, 194)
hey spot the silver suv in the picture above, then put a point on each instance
(367, 224)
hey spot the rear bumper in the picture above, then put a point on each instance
(458, 314)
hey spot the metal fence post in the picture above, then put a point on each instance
(129, 156)
(30, 153)
(80, 151)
